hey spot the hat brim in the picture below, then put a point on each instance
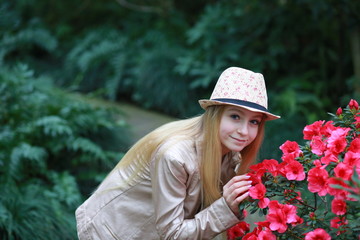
(204, 103)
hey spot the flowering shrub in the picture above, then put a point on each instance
(314, 192)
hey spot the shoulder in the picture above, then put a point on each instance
(181, 151)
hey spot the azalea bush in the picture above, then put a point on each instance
(314, 191)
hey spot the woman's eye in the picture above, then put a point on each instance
(235, 116)
(255, 122)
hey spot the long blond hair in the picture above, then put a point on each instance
(139, 156)
(212, 154)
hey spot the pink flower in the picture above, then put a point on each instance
(280, 215)
(317, 178)
(294, 171)
(338, 206)
(312, 130)
(317, 234)
(327, 129)
(299, 220)
(352, 158)
(291, 147)
(258, 192)
(353, 105)
(266, 235)
(329, 157)
(317, 145)
(337, 141)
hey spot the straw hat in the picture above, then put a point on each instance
(243, 88)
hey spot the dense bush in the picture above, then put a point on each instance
(55, 148)
(183, 46)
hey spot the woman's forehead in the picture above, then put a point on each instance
(244, 111)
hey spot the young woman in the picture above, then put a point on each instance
(186, 179)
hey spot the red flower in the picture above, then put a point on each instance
(312, 130)
(317, 234)
(294, 171)
(259, 234)
(254, 177)
(258, 192)
(338, 193)
(344, 171)
(272, 166)
(317, 178)
(338, 222)
(353, 105)
(338, 206)
(238, 230)
(357, 121)
(258, 170)
(355, 145)
(290, 147)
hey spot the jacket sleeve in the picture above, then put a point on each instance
(169, 178)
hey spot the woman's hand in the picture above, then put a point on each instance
(235, 191)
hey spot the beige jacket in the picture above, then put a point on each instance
(164, 204)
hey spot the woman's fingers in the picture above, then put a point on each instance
(238, 179)
(235, 191)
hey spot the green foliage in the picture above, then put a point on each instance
(100, 55)
(27, 213)
(52, 153)
(155, 83)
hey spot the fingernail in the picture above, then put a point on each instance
(249, 182)
(247, 176)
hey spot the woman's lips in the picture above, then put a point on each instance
(239, 140)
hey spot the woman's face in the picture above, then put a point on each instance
(238, 128)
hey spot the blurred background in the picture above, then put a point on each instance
(72, 72)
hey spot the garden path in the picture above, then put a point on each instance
(142, 121)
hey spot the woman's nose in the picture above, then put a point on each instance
(243, 129)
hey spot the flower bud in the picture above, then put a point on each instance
(353, 105)
(339, 111)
